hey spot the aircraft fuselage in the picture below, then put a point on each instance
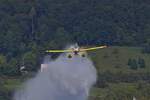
(76, 51)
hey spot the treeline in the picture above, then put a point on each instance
(29, 27)
(122, 91)
(136, 64)
(107, 77)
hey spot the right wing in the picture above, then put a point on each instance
(94, 48)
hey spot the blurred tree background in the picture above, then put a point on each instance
(29, 27)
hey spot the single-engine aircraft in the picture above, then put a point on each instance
(75, 50)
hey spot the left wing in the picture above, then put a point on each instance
(58, 51)
(94, 48)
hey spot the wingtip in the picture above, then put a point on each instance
(105, 46)
(46, 51)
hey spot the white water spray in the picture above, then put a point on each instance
(63, 79)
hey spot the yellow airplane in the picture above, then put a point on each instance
(75, 50)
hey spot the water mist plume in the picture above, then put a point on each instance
(63, 79)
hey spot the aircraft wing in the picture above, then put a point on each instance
(94, 48)
(58, 51)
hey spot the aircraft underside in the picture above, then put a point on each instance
(72, 54)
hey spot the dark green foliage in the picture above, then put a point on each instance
(29, 59)
(146, 49)
(133, 64)
(141, 63)
(9, 67)
(50, 24)
(122, 77)
(129, 62)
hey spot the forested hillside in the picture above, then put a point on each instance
(28, 27)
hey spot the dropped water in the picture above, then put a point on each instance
(63, 79)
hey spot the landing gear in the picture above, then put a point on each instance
(80, 54)
(69, 56)
(83, 55)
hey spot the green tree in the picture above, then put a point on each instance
(12, 68)
(3, 64)
(133, 64)
(2, 60)
(61, 37)
(29, 59)
(141, 63)
(129, 62)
